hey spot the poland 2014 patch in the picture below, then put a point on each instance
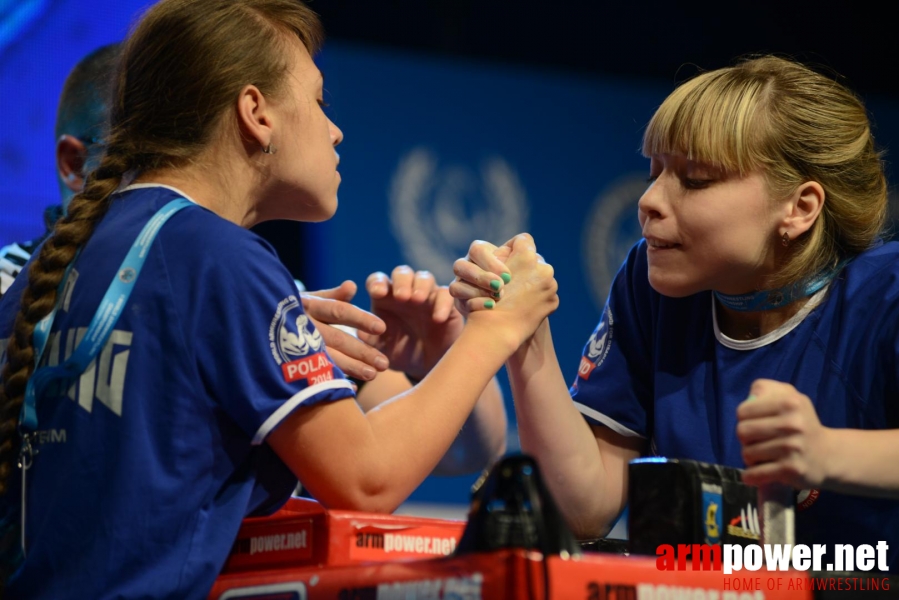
(296, 345)
(598, 345)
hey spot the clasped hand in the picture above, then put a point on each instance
(783, 439)
(412, 323)
(511, 284)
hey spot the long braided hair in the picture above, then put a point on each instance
(181, 69)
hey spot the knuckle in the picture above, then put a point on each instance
(791, 468)
(790, 403)
(793, 423)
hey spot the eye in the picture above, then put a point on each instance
(696, 184)
(651, 179)
(322, 103)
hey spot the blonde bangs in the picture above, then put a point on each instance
(712, 119)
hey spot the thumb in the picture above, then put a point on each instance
(521, 244)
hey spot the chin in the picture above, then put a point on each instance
(322, 212)
(307, 209)
(671, 287)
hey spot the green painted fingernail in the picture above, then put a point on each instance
(489, 304)
(751, 397)
(496, 295)
(506, 277)
(495, 284)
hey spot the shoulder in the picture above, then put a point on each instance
(874, 272)
(865, 294)
(195, 234)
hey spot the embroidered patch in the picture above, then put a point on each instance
(806, 498)
(297, 345)
(598, 346)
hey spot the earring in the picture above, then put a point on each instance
(270, 149)
(785, 240)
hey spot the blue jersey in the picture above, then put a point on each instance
(659, 368)
(148, 463)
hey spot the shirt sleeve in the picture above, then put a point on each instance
(614, 383)
(257, 353)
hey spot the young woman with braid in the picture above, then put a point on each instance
(211, 392)
(756, 325)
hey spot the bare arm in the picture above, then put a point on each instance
(421, 324)
(785, 442)
(373, 461)
(584, 466)
(482, 439)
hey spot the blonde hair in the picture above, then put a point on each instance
(794, 125)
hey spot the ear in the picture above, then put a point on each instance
(70, 156)
(803, 209)
(254, 117)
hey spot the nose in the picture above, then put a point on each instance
(651, 203)
(336, 133)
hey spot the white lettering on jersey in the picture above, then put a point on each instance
(104, 378)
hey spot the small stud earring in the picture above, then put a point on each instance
(785, 240)
(270, 149)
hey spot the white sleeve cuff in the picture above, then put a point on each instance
(607, 421)
(297, 399)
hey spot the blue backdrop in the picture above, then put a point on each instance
(436, 153)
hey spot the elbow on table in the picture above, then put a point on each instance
(370, 490)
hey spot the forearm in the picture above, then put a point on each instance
(863, 462)
(408, 435)
(552, 430)
(483, 437)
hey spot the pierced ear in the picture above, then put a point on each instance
(807, 203)
(70, 156)
(254, 117)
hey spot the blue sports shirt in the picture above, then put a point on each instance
(659, 368)
(150, 461)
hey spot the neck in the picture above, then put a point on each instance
(745, 325)
(229, 193)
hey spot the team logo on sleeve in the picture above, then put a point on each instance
(806, 498)
(598, 345)
(297, 346)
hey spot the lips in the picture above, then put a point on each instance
(659, 244)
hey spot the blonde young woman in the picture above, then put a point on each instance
(180, 385)
(756, 324)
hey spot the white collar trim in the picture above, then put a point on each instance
(771, 336)
(141, 186)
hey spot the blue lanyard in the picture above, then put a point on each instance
(768, 299)
(101, 325)
(94, 339)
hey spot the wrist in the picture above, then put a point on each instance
(535, 344)
(832, 451)
(493, 331)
